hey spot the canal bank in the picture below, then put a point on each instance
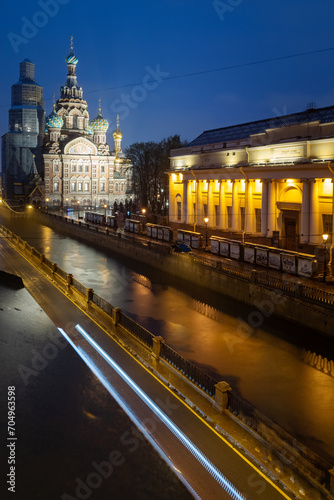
(269, 295)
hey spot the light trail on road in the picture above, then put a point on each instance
(189, 445)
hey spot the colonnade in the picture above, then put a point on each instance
(249, 205)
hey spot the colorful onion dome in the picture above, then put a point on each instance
(54, 120)
(71, 59)
(99, 123)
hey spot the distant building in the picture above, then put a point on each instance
(79, 169)
(21, 146)
(260, 181)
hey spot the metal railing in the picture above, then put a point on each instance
(189, 370)
(137, 330)
(102, 304)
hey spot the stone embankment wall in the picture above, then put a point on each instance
(267, 300)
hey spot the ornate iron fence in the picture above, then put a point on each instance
(102, 304)
(189, 370)
(137, 330)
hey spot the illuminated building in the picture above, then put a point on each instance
(260, 181)
(21, 145)
(79, 168)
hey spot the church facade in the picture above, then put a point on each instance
(79, 168)
(269, 181)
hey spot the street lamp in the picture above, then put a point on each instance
(206, 220)
(325, 238)
(47, 203)
(78, 202)
(143, 211)
(105, 210)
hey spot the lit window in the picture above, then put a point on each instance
(79, 186)
(72, 186)
(86, 186)
(56, 186)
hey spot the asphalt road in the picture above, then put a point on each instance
(199, 477)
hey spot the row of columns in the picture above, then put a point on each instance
(309, 229)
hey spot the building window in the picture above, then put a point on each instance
(327, 224)
(79, 186)
(79, 168)
(179, 210)
(86, 186)
(56, 167)
(72, 186)
(242, 218)
(103, 186)
(56, 186)
(229, 216)
(86, 168)
(102, 169)
(74, 168)
(205, 210)
(258, 220)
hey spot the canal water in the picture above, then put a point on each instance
(262, 363)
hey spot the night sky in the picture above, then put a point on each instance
(122, 47)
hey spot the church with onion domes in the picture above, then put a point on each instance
(79, 168)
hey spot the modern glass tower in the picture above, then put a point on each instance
(21, 145)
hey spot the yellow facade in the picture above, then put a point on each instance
(262, 184)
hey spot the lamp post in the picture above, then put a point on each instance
(325, 238)
(47, 203)
(206, 220)
(78, 202)
(105, 210)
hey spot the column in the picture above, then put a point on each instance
(305, 216)
(171, 204)
(314, 213)
(185, 201)
(235, 206)
(211, 211)
(198, 203)
(264, 208)
(249, 207)
(222, 204)
(271, 219)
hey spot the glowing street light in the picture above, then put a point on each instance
(325, 238)
(206, 220)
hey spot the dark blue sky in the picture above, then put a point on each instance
(120, 45)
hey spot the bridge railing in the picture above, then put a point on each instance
(102, 304)
(137, 330)
(189, 370)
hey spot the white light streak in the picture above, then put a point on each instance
(204, 461)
